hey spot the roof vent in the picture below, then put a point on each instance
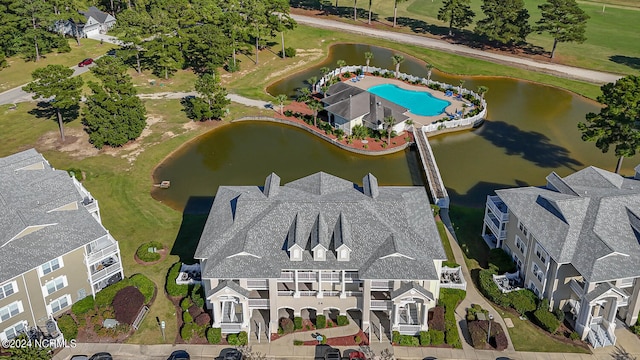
(370, 185)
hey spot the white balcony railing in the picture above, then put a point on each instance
(259, 303)
(285, 276)
(380, 285)
(577, 287)
(285, 292)
(351, 276)
(353, 293)
(381, 305)
(307, 276)
(97, 255)
(331, 293)
(493, 223)
(106, 272)
(498, 208)
(331, 277)
(254, 284)
(308, 293)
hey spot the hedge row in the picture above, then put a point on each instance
(546, 319)
(240, 339)
(145, 285)
(146, 256)
(172, 288)
(523, 301)
(450, 298)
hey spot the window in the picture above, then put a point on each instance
(10, 311)
(521, 245)
(10, 288)
(52, 265)
(13, 331)
(541, 254)
(59, 304)
(523, 228)
(534, 288)
(55, 285)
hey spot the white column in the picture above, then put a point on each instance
(343, 294)
(425, 317)
(245, 314)
(634, 304)
(296, 293)
(320, 284)
(217, 313)
(366, 303)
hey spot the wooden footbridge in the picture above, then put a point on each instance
(436, 186)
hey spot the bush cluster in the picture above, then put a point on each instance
(343, 320)
(187, 331)
(68, 326)
(636, 328)
(214, 335)
(105, 296)
(408, 340)
(145, 255)
(145, 285)
(437, 337)
(172, 288)
(127, 304)
(425, 338)
(83, 306)
(288, 52)
(287, 325)
(450, 298)
(203, 319)
(321, 322)
(437, 319)
(297, 323)
(546, 319)
(197, 295)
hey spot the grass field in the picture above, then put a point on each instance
(19, 71)
(611, 43)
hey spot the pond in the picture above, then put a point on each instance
(531, 130)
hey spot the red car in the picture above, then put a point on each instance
(85, 62)
(357, 355)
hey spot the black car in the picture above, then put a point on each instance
(112, 52)
(332, 354)
(101, 356)
(179, 355)
(232, 355)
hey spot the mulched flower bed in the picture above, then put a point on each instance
(163, 254)
(349, 340)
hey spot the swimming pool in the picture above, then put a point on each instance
(418, 102)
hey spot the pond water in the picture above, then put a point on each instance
(530, 131)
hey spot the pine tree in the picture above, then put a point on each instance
(564, 20)
(506, 21)
(212, 99)
(457, 12)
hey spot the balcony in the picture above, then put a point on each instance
(105, 269)
(498, 208)
(307, 293)
(493, 223)
(259, 303)
(286, 276)
(384, 305)
(307, 276)
(257, 284)
(380, 285)
(330, 277)
(577, 286)
(101, 248)
(285, 292)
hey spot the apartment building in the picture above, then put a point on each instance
(321, 245)
(54, 250)
(576, 242)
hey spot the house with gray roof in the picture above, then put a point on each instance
(96, 22)
(348, 106)
(321, 245)
(54, 250)
(576, 242)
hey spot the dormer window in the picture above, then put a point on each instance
(319, 254)
(296, 254)
(344, 253)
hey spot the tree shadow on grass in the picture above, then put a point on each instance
(419, 26)
(531, 145)
(632, 62)
(44, 110)
(194, 217)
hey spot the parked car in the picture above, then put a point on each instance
(232, 354)
(179, 355)
(101, 356)
(332, 354)
(112, 52)
(357, 355)
(79, 357)
(85, 62)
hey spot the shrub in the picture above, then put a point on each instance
(523, 301)
(194, 311)
(321, 322)
(298, 342)
(330, 324)
(489, 289)
(636, 328)
(450, 298)
(187, 330)
(297, 323)
(408, 340)
(574, 336)
(546, 320)
(68, 326)
(186, 303)
(288, 52)
(197, 296)
(232, 339)
(106, 295)
(203, 319)
(172, 288)
(243, 338)
(63, 45)
(357, 339)
(478, 335)
(145, 285)
(186, 317)
(287, 325)
(146, 255)
(231, 67)
(375, 73)
(214, 335)
(437, 337)
(559, 314)
(288, 113)
(127, 303)
(395, 337)
(343, 320)
(425, 338)
(501, 260)
(434, 208)
(83, 306)
(358, 71)
(437, 319)
(346, 75)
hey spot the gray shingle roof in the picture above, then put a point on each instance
(584, 220)
(28, 194)
(350, 102)
(407, 287)
(398, 220)
(230, 285)
(95, 13)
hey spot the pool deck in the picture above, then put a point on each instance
(370, 81)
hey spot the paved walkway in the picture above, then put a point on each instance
(233, 97)
(570, 72)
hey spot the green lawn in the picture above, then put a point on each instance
(467, 223)
(611, 43)
(19, 71)
(445, 241)
(528, 337)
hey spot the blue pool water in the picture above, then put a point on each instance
(418, 102)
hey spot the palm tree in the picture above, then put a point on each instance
(367, 57)
(482, 90)
(429, 67)
(341, 63)
(305, 95)
(461, 82)
(397, 60)
(280, 99)
(312, 81)
(316, 106)
(395, 10)
(324, 71)
(389, 121)
(324, 88)
(370, 3)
